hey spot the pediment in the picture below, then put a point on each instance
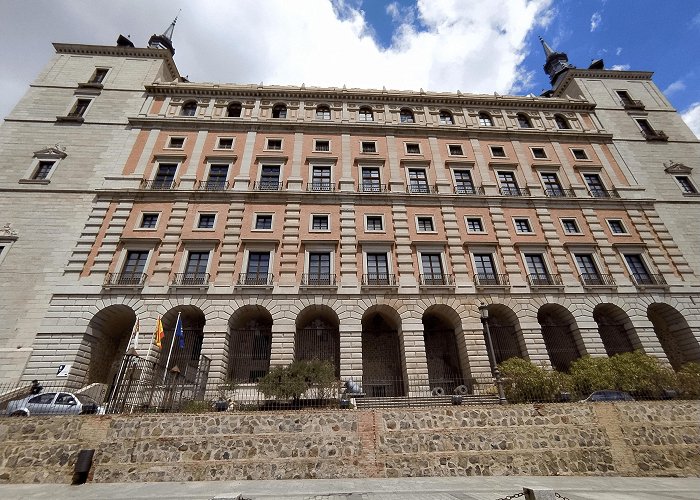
(676, 168)
(50, 152)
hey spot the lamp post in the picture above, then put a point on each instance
(484, 312)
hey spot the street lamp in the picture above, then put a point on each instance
(484, 312)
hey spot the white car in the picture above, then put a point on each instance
(54, 403)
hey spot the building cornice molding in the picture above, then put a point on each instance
(599, 73)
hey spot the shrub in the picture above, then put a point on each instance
(689, 380)
(591, 374)
(196, 407)
(641, 374)
(524, 381)
(315, 378)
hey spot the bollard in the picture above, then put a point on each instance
(83, 464)
(538, 494)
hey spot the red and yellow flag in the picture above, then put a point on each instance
(160, 334)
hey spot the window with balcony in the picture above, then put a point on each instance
(508, 183)
(165, 176)
(322, 146)
(323, 113)
(412, 148)
(133, 269)
(263, 221)
(374, 223)
(377, 269)
(206, 221)
(431, 265)
(463, 182)
(418, 181)
(224, 143)
(279, 111)
(649, 132)
(368, 147)
(446, 118)
(524, 121)
(321, 178)
(616, 226)
(371, 182)
(258, 269)
(589, 271)
(319, 222)
(234, 109)
(195, 269)
(539, 153)
(79, 109)
(425, 224)
(552, 188)
(686, 184)
(365, 114)
(455, 150)
(522, 225)
(485, 120)
(149, 221)
(189, 108)
(485, 269)
(639, 270)
(538, 273)
(216, 180)
(475, 225)
(406, 116)
(270, 178)
(570, 226)
(319, 272)
(561, 122)
(595, 186)
(627, 101)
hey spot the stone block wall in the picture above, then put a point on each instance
(624, 439)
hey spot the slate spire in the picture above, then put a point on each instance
(164, 41)
(556, 63)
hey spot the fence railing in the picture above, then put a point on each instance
(437, 279)
(421, 189)
(491, 279)
(267, 186)
(213, 185)
(318, 279)
(248, 279)
(544, 279)
(595, 279)
(124, 279)
(603, 193)
(190, 279)
(372, 187)
(470, 190)
(559, 193)
(649, 280)
(514, 191)
(378, 279)
(158, 184)
(320, 186)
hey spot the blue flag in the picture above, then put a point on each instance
(179, 335)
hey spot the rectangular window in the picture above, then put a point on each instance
(522, 225)
(134, 264)
(377, 269)
(485, 269)
(537, 269)
(43, 169)
(625, 98)
(595, 186)
(412, 148)
(217, 177)
(270, 178)
(686, 184)
(322, 146)
(475, 225)
(570, 226)
(99, 75)
(319, 268)
(370, 180)
(374, 223)
(509, 186)
(418, 181)
(579, 154)
(589, 271)
(498, 152)
(538, 153)
(646, 128)
(321, 178)
(263, 221)
(319, 222)
(551, 185)
(369, 147)
(425, 224)
(206, 221)
(80, 107)
(225, 143)
(196, 264)
(149, 221)
(258, 268)
(165, 176)
(432, 269)
(639, 270)
(176, 142)
(274, 144)
(616, 226)
(463, 182)
(455, 149)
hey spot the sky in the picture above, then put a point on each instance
(475, 46)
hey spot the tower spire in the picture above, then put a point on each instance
(165, 41)
(556, 63)
(547, 49)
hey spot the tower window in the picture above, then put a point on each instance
(99, 75)
(406, 116)
(561, 122)
(446, 118)
(189, 109)
(686, 184)
(485, 120)
(323, 113)
(365, 114)
(234, 110)
(279, 111)
(524, 121)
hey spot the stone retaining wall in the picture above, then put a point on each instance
(635, 438)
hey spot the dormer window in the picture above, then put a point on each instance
(189, 109)
(279, 111)
(406, 116)
(561, 122)
(524, 121)
(233, 110)
(323, 113)
(485, 120)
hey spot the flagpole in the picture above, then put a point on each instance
(121, 367)
(148, 354)
(170, 352)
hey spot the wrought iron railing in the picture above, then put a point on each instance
(267, 186)
(470, 190)
(158, 184)
(213, 185)
(320, 186)
(649, 279)
(421, 189)
(437, 279)
(596, 279)
(191, 279)
(318, 279)
(125, 279)
(249, 279)
(546, 279)
(514, 191)
(632, 104)
(559, 193)
(488, 279)
(378, 279)
(372, 187)
(603, 193)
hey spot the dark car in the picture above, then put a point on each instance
(54, 403)
(609, 395)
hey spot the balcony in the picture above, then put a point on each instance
(124, 280)
(544, 280)
(437, 280)
(603, 193)
(514, 191)
(254, 279)
(379, 280)
(320, 186)
(372, 187)
(469, 190)
(595, 279)
(267, 186)
(213, 186)
(559, 193)
(654, 135)
(649, 280)
(158, 184)
(421, 189)
(191, 279)
(318, 280)
(632, 105)
(491, 280)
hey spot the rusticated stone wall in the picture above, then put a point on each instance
(635, 438)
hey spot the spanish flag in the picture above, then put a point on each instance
(160, 334)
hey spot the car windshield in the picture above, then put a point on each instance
(86, 400)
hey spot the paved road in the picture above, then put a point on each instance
(467, 488)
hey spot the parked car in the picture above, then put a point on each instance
(608, 395)
(54, 403)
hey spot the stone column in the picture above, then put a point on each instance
(535, 348)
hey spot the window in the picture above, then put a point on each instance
(165, 176)
(616, 226)
(455, 150)
(321, 178)
(551, 185)
(686, 184)
(475, 225)
(323, 113)
(258, 268)
(99, 75)
(595, 186)
(370, 180)
(270, 178)
(189, 109)
(485, 120)
(625, 98)
(538, 153)
(498, 152)
(570, 226)
(365, 114)
(273, 144)
(206, 221)
(425, 224)
(406, 116)
(638, 269)
(263, 221)
(524, 121)
(537, 269)
(319, 223)
(369, 147)
(522, 226)
(378, 269)
(233, 110)
(412, 148)
(79, 108)
(418, 181)
(463, 182)
(485, 269)
(432, 269)
(319, 268)
(279, 111)
(374, 223)
(149, 221)
(176, 142)
(589, 271)
(561, 122)
(196, 265)
(224, 143)
(322, 146)
(134, 266)
(509, 186)
(43, 169)
(216, 181)
(446, 118)
(579, 154)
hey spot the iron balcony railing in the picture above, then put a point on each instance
(421, 189)
(489, 279)
(254, 279)
(267, 186)
(471, 190)
(559, 193)
(632, 104)
(213, 185)
(544, 279)
(649, 279)
(191, 279)
(437, 279)
(655, 135)
(372, 187)
(515, 191)
(158, 184)
(318, 279)
(596, 279)
(603, 193)
(320, 186)
(378, 279)
(125, 279)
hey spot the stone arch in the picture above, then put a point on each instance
(506, 333)
(383, 365)
(615, 329)
(104, 343)
(187, 358)
(561, 335)
(250, 344)
(442, 332)
(674, 334)
(318, 335)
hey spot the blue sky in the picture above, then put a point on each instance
(477, 46)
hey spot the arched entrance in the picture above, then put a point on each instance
(615, 329)
(440, 328)
(382, 368)
(105, 342)
(560, 333)
(675, 336)
(250, 328)
(505, 333)
(186, 359)
(317, 336)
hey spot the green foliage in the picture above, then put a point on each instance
(689, 380)
(640, 374)
(524, 381)
(313, 379)
(196, 407)
(591, 374)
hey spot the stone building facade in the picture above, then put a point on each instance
(360, 226)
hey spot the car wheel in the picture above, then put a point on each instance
(18, 413)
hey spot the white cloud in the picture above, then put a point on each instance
(620, 67)
(676, 86)
(691, 116)
(618, 51)
(596, 18)
(393, 10)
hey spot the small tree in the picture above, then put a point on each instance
(291, 382)
(689, 380)
(591, 374)
(525, 381)
(641, 374)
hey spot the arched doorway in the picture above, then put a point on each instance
(250, 345)
(186, 358)
(440, 328)
(382, 367)
(505, 333)
(318, 336)
(105, 342)
(559, 332)
(675, 336)
(615, 329)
